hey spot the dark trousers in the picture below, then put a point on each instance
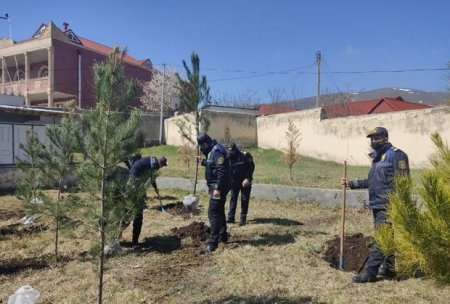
(138, 219)
(137, 225)
(216, 216)
(376, 257)
(245, 198)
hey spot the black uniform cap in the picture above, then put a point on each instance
(162, 161)
(378, 131)
(203, 139)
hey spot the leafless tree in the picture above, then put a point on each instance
(226, 133)
(153, 91)
(277, 94)
(292, 136)
(246, 99)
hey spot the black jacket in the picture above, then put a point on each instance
(242, 167)
(217, 173)
(145, 168)
(386, 163)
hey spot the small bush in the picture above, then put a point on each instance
(419, 235)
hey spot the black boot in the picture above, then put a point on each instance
(209, 248)
(364, 277)
(230, 221)
(386, 271)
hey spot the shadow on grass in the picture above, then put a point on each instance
(264, 300)
(276, 221)
(168, 197)
(16, 265)
(269, 239)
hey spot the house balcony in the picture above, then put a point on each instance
(36, 91)
(22, 87)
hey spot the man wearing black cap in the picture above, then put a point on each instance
(387, 162)
(142, 170)
(242, 168)
(218, 180)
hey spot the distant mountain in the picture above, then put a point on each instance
(412, 95)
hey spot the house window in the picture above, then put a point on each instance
(148, 64)
(43, 72)
(20, 75)
(72, 37)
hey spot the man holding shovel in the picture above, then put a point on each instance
(218, 180)
(143, 170)
(387, 162)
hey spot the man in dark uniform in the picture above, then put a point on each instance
(142, 170)
(387, 162)
(218, 180)
(242, 168)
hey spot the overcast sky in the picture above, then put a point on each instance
(253, 46)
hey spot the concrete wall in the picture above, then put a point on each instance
(150, 128)
(344, 138)
(242, 127)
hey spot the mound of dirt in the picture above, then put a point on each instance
(178, 208)
(356, 249)
(197, 231)
(21, 229)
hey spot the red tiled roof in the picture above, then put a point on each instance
(106, 50)
(382, 105)
(95, 46)
(273, 109)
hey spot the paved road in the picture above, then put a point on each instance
(328, 197)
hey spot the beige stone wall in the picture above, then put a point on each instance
(171, 129)
(344, 138)
(242, 127)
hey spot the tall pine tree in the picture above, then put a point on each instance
(50, 165)
(110, 133)
(194, 95)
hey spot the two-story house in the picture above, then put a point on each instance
(56, 65)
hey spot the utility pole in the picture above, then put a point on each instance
(6, 17)
(162, 106)
(318, 58)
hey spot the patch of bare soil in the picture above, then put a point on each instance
(20, 229)
(171, 270)
(321, 221)
(159, 279)
(178, 208)
(197, 231)
(356, 249)
(11, 214)
(15, 265)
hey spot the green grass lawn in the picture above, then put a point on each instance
(276, 258)
(271, 169)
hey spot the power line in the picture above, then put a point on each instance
(391, 71)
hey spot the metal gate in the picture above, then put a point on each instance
(12, 135)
